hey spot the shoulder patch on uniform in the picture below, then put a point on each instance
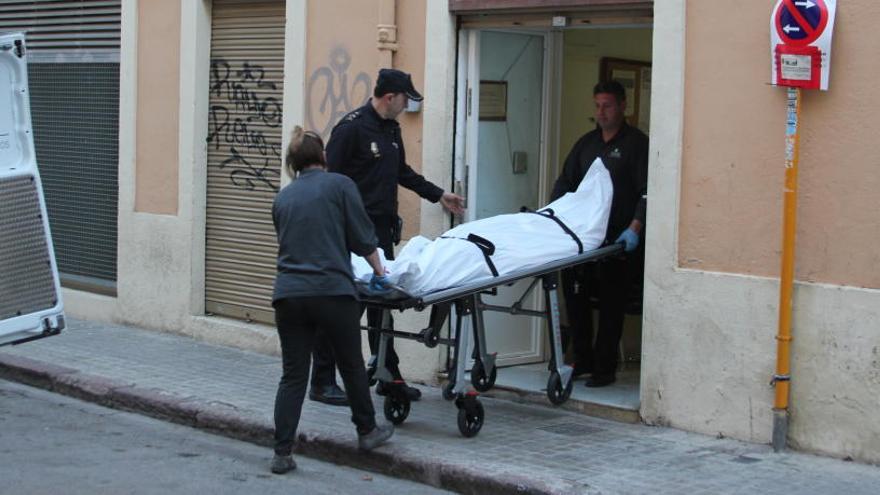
(352, 116)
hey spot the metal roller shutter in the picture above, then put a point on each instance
(59, 25)
(244, 157)
(73, 71)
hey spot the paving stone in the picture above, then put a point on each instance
(532, 448)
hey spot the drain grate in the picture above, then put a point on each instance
(572, 429)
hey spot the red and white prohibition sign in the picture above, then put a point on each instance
(800, 42)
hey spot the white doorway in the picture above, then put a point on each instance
(543, 126)
(502, 158)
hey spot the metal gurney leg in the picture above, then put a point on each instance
(470, 410)
(379, 371)
(484, 372)
(559, 384)
(397, 404)
(462, 309)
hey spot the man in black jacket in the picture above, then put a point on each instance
(366, 145)
(624, 150)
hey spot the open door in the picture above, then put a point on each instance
(30, 291)
(500, 160)
(548, 114)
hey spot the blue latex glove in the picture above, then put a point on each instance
(379, 285)
(629, 239)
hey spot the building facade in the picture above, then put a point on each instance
(209, 91)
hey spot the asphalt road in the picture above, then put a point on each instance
(54, 444)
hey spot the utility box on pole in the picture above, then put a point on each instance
(30, 291)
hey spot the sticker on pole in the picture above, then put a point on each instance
(800, 43)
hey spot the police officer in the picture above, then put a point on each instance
(366, 145)
(624, 150)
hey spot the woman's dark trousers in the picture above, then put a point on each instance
(298, 320)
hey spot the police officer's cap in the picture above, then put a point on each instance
(396, 81)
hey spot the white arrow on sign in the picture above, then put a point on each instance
(789, 28)
(808, 4)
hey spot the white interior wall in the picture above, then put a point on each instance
(515, 59)
(583, 50)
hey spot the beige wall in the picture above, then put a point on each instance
(411, 58)
(341, 59)
(161, 256)
(732, 168)
(709, 346)
(158, 98)
(583, 50)
(342, 44)
(438, 109)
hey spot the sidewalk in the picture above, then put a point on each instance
(521, 448)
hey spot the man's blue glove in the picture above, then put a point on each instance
(379, 285)
(629, 239)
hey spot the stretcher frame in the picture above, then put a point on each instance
(467, 300)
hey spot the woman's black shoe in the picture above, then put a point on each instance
(282, 464)
(330, 394)
(412, 393)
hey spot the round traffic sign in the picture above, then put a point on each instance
(801, 22)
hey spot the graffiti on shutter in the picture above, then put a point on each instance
(238, 119)
(245, 90)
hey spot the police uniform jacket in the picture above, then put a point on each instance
(626, 158)
(369, 149)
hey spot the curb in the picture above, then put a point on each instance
(228, 421)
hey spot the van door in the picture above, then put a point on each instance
(30, 291)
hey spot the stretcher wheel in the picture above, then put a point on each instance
(470, 423)
(555, 392)
(431, 337)
(479, 379)
(396, 409)
(448, 393)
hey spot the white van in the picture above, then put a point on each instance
(30, 291)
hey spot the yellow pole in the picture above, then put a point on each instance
(782, 378)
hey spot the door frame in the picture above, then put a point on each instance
(467, 102)
(467, 133)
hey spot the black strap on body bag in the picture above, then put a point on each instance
(486, 247)
(548, 213)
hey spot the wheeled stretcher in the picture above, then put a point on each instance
(468, 302)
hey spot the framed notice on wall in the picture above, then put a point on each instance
(635, 76)
(493, 100)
